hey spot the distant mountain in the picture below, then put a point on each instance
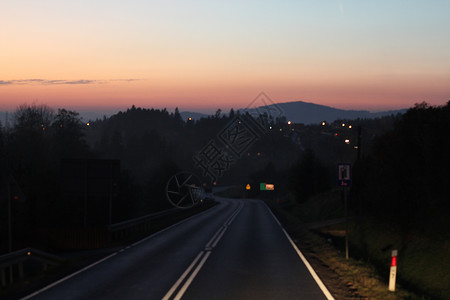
(310, 113)
(297, 112)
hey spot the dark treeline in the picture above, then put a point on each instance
(402, 170)
(151, 145)
(406, 177)
(31, 152)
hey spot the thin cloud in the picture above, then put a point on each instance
(341, 8)
(34, 81)
(81, 81)
(127, 80)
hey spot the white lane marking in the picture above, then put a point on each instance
(219, 237)
(108, 257)
(208, 247)
(310, 269)
(68, 277)
(303, 258)
(235, 214)
(191, 278)
(170, 227)
(180, 280)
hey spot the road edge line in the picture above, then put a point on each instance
(313, 273)
(67, 277)
(35, 293)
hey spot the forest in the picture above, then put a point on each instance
(400, 162)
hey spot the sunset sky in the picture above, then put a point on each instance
(204, 55)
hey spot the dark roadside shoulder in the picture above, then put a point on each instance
(345, 279)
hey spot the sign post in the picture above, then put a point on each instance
(393, 273)
(345, 181)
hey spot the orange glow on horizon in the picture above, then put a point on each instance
(370, 92)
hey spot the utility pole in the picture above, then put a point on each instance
(358, 157)
(346, 222)
(85, 200)
(110, 193)
(8, 183)
(9, 215)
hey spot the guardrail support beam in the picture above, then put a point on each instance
(3, 277)
(21, 274)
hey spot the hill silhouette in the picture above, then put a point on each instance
(297, 112)
(310, 113)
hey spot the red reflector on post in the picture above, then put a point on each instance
(394, 261)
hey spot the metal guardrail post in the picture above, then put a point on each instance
(21, 274)
(3, 277)
(11, 279)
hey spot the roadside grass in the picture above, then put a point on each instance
(423, 259)
(360, 279)
(324, 206)
(423, 262)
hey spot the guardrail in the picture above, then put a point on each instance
(149, 217)
(127, 228)
(17, 258)
(12, 264)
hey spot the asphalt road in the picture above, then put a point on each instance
(235, 250)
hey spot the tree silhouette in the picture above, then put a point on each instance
(68, 134)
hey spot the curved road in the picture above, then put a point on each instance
(235, 250)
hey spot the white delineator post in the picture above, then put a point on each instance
(393, 273)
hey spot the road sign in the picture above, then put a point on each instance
(266, 186)
(344, 175)
(270, 186)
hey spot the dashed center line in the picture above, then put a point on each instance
(200, 260)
